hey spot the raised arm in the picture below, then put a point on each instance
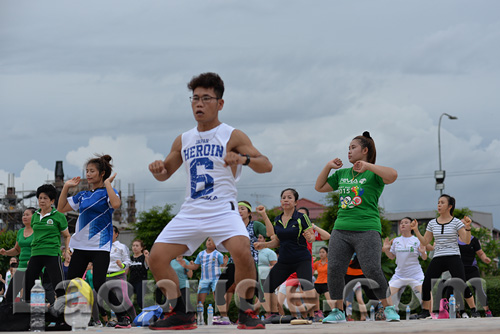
(240, 151)
(261, 210)
(322, 185)
(388, 174)
(322, 233)
(63, 205)
(426, 238)
(464, 232)
(386, 248)
(163, 170)
(114, 200)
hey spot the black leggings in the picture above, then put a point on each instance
(280, 272)
(100, 263)
(53, 266)
(473, 272)
(438, 265)
(226, 279)
(470, 273)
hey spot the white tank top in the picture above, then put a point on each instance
(211, 188)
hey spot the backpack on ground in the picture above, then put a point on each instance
(148, 315)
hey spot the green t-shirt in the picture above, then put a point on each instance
(47, 233)
(25, 245)
(358, 205)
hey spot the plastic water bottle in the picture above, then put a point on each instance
(452, 307)
(77, 311)
(37, 306)
(113, 315)
(210, 315)
(199, 311)
(408, 311)
(348, 311)
(372, 313)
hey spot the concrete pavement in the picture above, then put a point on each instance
(430, 326)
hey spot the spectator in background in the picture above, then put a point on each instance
(210, 260)
(119, 263)
(67, 260)
(138, 270)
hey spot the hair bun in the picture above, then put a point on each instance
(106, 157)
(366, 134)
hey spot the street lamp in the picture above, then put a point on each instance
(440, 174)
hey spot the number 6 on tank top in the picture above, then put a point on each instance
(202, 184)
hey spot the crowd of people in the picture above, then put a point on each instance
(214, 154)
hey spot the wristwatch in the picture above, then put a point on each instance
(248, 159)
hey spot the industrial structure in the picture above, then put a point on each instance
(13, 202)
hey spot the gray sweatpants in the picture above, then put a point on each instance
(368, 247)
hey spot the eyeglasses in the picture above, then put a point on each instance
(204, 99)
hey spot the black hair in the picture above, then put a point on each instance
(32, 209)
(115, 229)
(208, 80)
(325, 248)
(451, 201)
(409, 218)
(305, 209)
(141, 243)
(48, 190)
(294, 192)
(103, 164)
(249, 211)
(366, 141)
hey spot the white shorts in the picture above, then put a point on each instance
(399, 283)
(193, 231)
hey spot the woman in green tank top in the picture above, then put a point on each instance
(23, 249)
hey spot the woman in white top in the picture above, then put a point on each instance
(405, 249)
(444, 229)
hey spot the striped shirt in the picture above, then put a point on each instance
(210, 264)
(445, 237)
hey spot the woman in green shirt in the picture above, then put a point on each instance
(23, 249)
(48, 225)
(357, 228)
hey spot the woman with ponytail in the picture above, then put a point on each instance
(94, 229)
(357, 228)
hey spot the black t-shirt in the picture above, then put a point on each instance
(293, 245)
(138, 270)
(468, 252)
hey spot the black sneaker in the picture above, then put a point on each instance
(250, 320)
(425, 314)
(124, 322)
(474, 313)
(272, 318)
(175, 320)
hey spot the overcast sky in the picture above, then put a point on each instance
(302, 79)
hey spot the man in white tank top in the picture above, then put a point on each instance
(213, 154)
